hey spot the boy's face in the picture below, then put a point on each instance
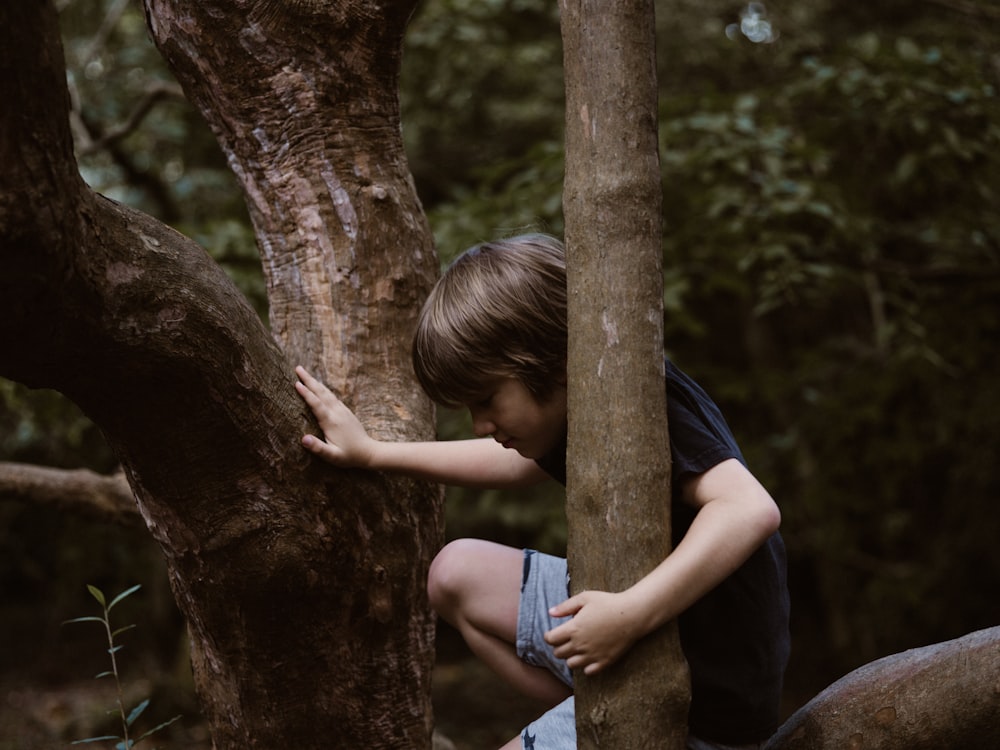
(510, 413)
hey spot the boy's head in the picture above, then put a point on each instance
(498, 311)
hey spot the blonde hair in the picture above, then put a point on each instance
(498, 311)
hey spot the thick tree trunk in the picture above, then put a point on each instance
(303, 587)
(618, 490)
(303, 98)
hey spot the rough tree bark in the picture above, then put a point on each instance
(618, 489)
(941, 696)
(303, 587)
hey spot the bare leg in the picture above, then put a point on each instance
(476, 586)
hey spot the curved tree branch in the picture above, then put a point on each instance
(154, 94)
(940, 696)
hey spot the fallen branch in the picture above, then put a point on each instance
(81, 491)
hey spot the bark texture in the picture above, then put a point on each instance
(303, 98)
(941, 696)
(303, 587)
(618, 490)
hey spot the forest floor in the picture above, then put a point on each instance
(474, 710)
(40, 709)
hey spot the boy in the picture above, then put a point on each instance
(492, 338)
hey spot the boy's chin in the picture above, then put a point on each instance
(527, 451)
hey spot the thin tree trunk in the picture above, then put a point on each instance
(618, 489)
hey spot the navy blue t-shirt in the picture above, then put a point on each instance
(735, 638)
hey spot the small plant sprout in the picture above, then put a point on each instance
(128, 718)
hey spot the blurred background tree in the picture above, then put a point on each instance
(832, 254)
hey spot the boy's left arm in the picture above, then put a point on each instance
(735, 516)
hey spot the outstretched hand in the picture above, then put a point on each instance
(599, 633)
(345, 443)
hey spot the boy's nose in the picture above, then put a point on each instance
(481, 426)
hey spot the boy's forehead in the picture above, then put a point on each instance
(481, 388)
(458, 393)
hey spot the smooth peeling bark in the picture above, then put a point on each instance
(305, 106)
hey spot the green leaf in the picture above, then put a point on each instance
(867, 45)
(104, 674)
(907, 49)
(136, 712)
(84, 619)
(158, 727)
(122, 595)
(906, 168)
(94, 739)
(97, 594)
(122, 630)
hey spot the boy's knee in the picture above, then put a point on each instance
(446, 579)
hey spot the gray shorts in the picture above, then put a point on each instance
(544, 584)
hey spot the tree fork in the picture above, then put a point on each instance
(303, 586)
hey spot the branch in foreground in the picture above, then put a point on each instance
(939, 696)
(80, 491)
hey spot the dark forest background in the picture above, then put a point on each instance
(831, 183)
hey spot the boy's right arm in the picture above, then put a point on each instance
(468, 463)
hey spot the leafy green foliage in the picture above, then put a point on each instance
(831, 241)
(38, 426)
(832, 270)
(454, 52)
(128, 719)
(140, 142)
(838, 240)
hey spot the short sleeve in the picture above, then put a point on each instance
(699, 435)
